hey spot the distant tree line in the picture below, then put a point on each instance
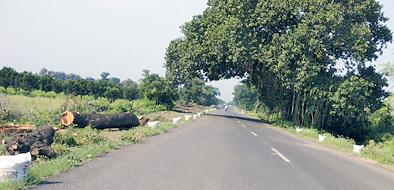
(152, 86)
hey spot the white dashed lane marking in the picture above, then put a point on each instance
(276, 152)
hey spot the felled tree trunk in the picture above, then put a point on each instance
(143, 121)
(119, 120)
(38, 142)
(69, 118)
(100, 121)
(14, 129)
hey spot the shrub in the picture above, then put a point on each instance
(382, 152)
(87, 136)
(37, 93)
(42, 117)
(102, 105)
(2, 90)
(382, 127)
(144, 106)
(50, 94)
(121, 105)
(66, 139)
(10, 90)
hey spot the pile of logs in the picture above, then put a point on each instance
(100, 121)
(14, 129)
(37, 142)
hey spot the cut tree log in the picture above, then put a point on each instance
(118, 120)
(38, 142)
(143, 120)
(9, 130)
(100, 121)
(69, 118)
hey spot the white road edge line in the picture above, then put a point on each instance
(253, 133)
(280, 155)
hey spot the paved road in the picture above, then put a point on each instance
(224, 151)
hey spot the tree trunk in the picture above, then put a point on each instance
(100, 121)
(69, 118)
(120, 120)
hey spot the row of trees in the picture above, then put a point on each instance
(307, 60)
(152, 86)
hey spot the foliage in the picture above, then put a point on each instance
(291, 62)
(47, 83)
(382, 152)
(245, 97)
(158, 89)
(144, 106)
(195, 91)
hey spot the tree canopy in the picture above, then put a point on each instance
(290, 51)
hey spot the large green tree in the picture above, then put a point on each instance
(158, 89)
(289, 50)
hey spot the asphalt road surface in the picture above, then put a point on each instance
(226, 151)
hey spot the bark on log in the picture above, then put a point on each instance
(119, 120)
(38, 142)
(14, 129)
(100, 121)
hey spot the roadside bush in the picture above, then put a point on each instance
(144, 106)
(121, 105)
(50, 94)
(37, 93)
(2, 90)
(42, 117)
(383, 152)
(24, 92)
(87, 136)
(11, 91)
(382, 127)
(66, 139)
(101, 105)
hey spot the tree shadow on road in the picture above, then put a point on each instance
(241, 118)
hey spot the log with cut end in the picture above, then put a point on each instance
(38, 142)
(143, 120)
(118, 120)
(69, 118)
(100, 121)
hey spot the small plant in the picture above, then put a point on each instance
(134, 136)
(66, 139)
(2, 149)
(87, 136)
(121, 105)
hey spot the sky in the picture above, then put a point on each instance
(87, 37)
